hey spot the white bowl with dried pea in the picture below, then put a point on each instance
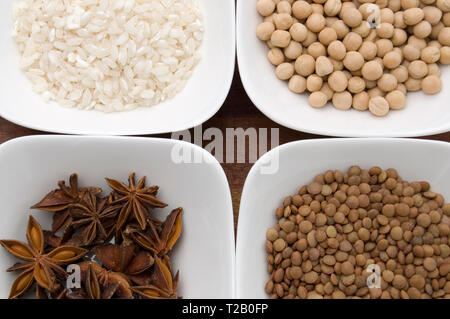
(348, 68)
(336, 206)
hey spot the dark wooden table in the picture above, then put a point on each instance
(237, 111)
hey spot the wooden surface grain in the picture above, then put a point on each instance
(237, 112)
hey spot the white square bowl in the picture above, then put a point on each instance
(202, 97)
(31, 166)
(299, 163)
(423, 115)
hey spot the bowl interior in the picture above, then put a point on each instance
(299, 162)
(20, 104)
(30, 167)
(423, 115)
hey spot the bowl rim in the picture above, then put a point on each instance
(300, 127)
(227, 82)
(243, 212)
(210, 160)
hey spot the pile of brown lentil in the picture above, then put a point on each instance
(329, 233)
(329, 48)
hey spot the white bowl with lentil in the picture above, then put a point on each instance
(415, 264)
(336, 56)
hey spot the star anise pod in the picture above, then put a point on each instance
(164, 285)
(134, 200)
(126, 259)
(91, 215)
(111, 283)
(92, 289)
(68, 238)
(158, 242)
(92, 222)
(59, 293)
(59, 200)
(41, 293)
(39, 267)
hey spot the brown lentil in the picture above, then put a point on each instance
(342, 222)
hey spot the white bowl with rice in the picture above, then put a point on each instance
(133, 78)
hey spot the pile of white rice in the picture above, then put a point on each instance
(108, 55)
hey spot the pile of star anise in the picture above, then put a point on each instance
(119, 248)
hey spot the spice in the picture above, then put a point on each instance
(342, 224)
(92, 289)
(40, 267)
(94, 217)
(131, 245)
(165, 284)
(134, 200)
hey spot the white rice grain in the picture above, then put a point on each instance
(108, 55)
